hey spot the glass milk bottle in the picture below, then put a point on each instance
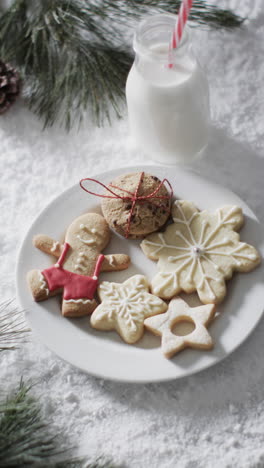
(167, 94)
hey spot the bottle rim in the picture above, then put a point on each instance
(149, 25)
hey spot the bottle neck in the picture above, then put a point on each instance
(153, 37)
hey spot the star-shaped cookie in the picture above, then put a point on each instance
(198, 252)
(179, 311)
(125, 306)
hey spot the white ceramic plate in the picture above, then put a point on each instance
(104, 354)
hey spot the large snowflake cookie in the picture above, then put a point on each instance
(125, 306)
(179, 311)
(198, 252)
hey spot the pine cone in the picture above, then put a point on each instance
(9, 86)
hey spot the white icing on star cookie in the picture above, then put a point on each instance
(179, 311)
(125, 306)
(199, 251)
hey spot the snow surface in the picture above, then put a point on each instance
(212, 419)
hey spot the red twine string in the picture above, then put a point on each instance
(132, 197)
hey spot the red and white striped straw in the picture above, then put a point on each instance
(183, 14)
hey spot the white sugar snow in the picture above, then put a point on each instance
(214, 418)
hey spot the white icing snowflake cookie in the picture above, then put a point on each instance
(198, 252)
(179, 311)
(125, 306)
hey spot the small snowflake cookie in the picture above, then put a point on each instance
(179, 311)
(125, 306)
(198, 252)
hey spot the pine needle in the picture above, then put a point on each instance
(25, 440)
(72, 55)
(12, 326)
(202, 13)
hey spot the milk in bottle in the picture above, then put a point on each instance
(167, 94)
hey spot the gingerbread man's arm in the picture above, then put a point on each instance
(48, 245)
(115, 262)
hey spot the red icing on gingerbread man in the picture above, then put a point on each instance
(74, 286)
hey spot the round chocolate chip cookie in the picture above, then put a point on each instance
(146, 214)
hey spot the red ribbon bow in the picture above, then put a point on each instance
(132, 197)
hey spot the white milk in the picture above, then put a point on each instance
(168, 108)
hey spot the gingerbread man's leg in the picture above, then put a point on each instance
(38, 286)
(78, 307)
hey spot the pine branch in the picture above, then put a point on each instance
(12, 326)
(202, 13)
(65, 68)
(25, 440)
(71, 54)
(98, 84)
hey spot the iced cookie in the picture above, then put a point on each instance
(125, 306)
(179, 312)
(75, 274)
(198, 252)
(142, 204)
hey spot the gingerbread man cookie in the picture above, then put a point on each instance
(78, 266)
(125, 306)
(199, 251)
(179, 311)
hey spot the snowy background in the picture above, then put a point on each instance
(212, 419)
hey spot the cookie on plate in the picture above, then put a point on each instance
(199, 251)
(180, 312)
(79, 262)
(147, 214)
(125, 306)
